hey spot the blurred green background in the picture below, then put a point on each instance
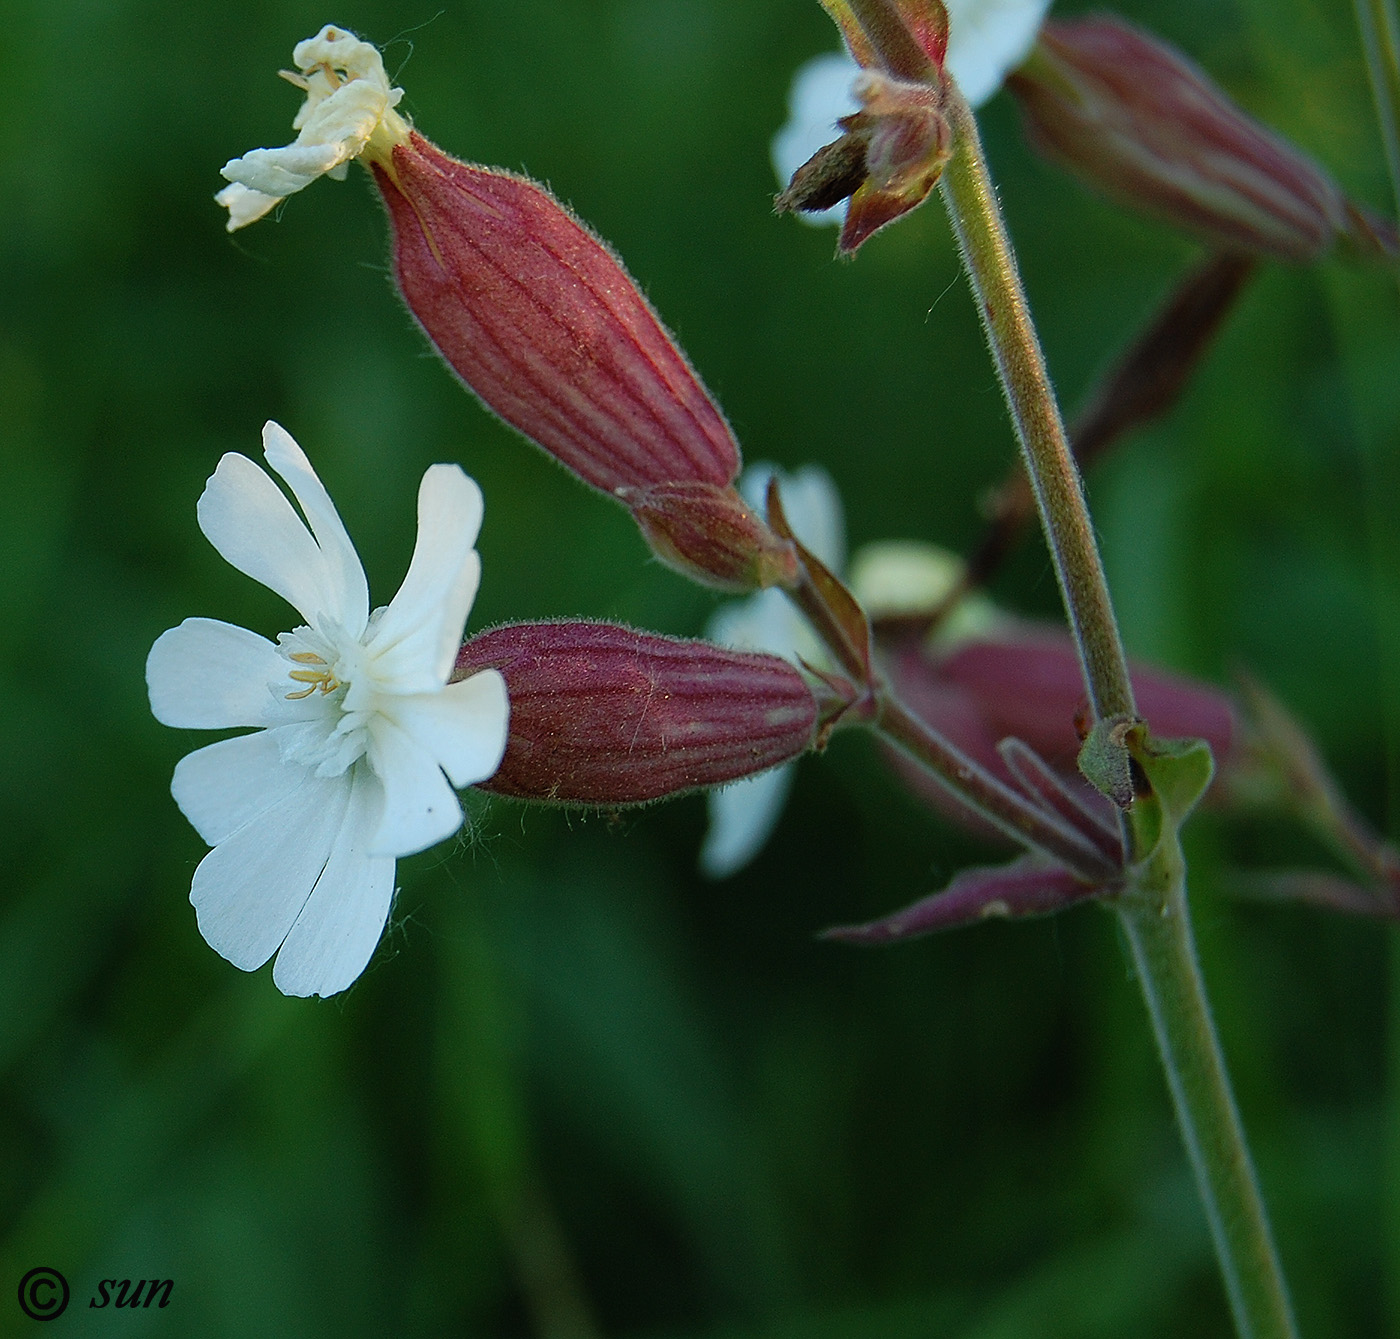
(579, 1089)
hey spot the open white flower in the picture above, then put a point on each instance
(358, 721)
(744, 814)
(349, 110)
(987, 39)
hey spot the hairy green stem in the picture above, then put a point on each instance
(1154, 909)
(1156, 921)
(1059, 495)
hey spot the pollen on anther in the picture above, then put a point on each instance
(316, 680)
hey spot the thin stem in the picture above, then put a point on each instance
(1153, 909)
(1380, 40)
(991, 266)
(1158, 929)
(970, 783)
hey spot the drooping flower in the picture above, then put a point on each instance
(357, 722)
(743, 815)
(348, 112)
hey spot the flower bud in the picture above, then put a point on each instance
(888, 160)
(603, 715)
(712, 535)
(1134, 118)
(540, 319)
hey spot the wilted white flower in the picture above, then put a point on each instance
(743, 815)
(358, 722)
(987, 39)
(349, 110)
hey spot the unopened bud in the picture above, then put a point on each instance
(540, 319)
(1136, 119)
(888, 160)
(712, 535)
(604, 715)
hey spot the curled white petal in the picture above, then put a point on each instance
(349, 108)
(334, 936)
(210, 675)
(245, 206)
(742, 818)
(278, 173)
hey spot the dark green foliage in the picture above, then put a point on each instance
(576, 1073)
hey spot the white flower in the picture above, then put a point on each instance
(987, 39)
(744, 814)
(349, 109)
(358, 721)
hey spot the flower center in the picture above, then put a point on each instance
(318, 680)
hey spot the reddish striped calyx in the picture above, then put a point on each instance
(1137, 120)
(540, 319)
(605, 715)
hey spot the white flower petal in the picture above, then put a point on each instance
(248, 519)
(743, 815)
(339, 119)
(765, 621)
(347, 591)
(245, 206)
(415, 640)
(346, 119)
(341, 923)
(249, 890)
(811, 504)
(282, 172)
(742, 818)
(222, 786)
(987, 39)
(210, 675)
(464, 726)
(813, 509)
(420, 808)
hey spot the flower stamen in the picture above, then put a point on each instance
(318, 680)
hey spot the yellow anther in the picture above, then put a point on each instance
(317, 680)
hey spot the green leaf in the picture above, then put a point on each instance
(1177, 772)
